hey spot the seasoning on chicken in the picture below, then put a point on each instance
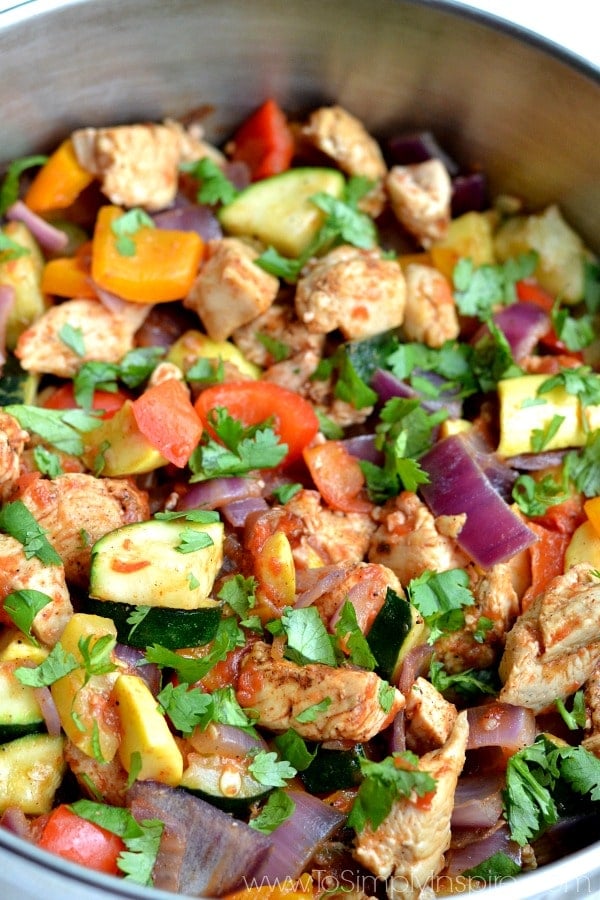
(554, 647)
(279, 691)
(138, 165)
(408, 847)
(103, 335)
(230, 290)
(18, 572)
(430, 315)
(420, 197)
(429, 717)
(77, 509)
(357, 291)
(410, 540)
(328, 536)
(12, 444)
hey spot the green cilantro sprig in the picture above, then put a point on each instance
(348, 630)
(215, 188)
(440, 598)
(395, 777)
(577, 716)
(228, 637)
(478, 290)
(23, 606)
(269, 770)
(72, 337)
(185, 706)
(18, 521)
(307, 638)
(11, 249)
(582, 467)
(9, 192)
(277, 809)
(470, 683)
(134, 369)
(535, 496)
(240, 449)
(57, 664)
(61, 428)
(127, 225)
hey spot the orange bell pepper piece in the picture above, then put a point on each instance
(59, 182)
(165, 416)
(162, 267)
(592, 511)
(69, 276)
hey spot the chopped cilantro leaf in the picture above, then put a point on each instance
(267, 769)
(60, 428)
(47, 462)
(275, 348)
(10, 249)
(285, 492)
(243, 449)
(307, 637)
(16, 520)
(96, 655)
(385, 696)
(200, 516)
(72, 338)
(328, 428)
(9, 192)
(188, 669)
(206, 371)
(136, 617)
(215, 187)
(439, 597)
(395, 777)
(535, 496)
(497, 867)
(127, 225)
(576, 718)
(192, 540)
(240, 594)
(470, 683)
(293, 748)
(23, 605)
(351, 637)
(278, 808)
(583, 467)
(57, 664)
(541, 437)
(312, 712)
(580, 382)
(478, 290)
(186, 707)
(575, 332)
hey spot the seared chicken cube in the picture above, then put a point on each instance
(430, 316)
(230, 289)
(279, 691)
(12, 444)
(357, 291)
(328, 536)
(420, 197)
(429, 717)
(138, 165)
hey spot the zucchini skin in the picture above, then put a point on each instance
(388, 637)
(333, 770)
(171, 628)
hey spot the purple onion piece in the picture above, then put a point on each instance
(388, 386)
(478, 851)
(362, 446)
(14, 819)
(478, 801)
(132, 657)
(535, 462)
(500, 725)
(50, 238)
(522, 323)
(311, 584)
(238, 173)
(416, 147)
(293, 843)
(226, 740)
(237, 512)
(218, 492)
(48, 710)
(492, 532)
(469, 194)
(500, 475)
(199, 219)
(398, 733)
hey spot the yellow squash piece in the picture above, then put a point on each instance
(146, 737)
(31, 770)
(85, 708)
(584, 547)
(118, 447)
(16, 645)
(471, 236)
(193, 345)
(24, 274)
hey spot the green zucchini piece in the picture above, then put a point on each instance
(158, 563)
(17, 385)
(20, 712)
(224, 782)
(333, 770)
(172, 628)
(397, 627)
(278, 210)
(31, 770)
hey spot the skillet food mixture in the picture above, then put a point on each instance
(300, 524)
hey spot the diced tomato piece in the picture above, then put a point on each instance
(252, 402)
(166, 417)
(264, 142)
(338, 477)
(83, 842)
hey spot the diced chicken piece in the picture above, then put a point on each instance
(410, 843)
(430, 315)
(341, 136)
(495, 600)
(357, 291)
(554, 647)
(279, 691)
(104, 336)
(328, 536)
(277, 327)
(165, 371)
(364, 585)
(230, 290)
(105, 779)
(420, 197)
(17, 573)
(192, 145)
(429, 717)
(138, 165)
(592, 703)
(77, 510)
(294, 374)
(12, 444)
(410, 540)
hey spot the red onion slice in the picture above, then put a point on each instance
(14, 819)
(135, 313)
(199, 219)
(478, 801)
(535, 462)
(295, 841)
(225, 740)
(362, 446)
(50, 238)
(469, 194)
(218, 492)
(472, 854)
(132, 657)
(492, 532)
(522, 323)
(313, 583)
(416, 147)
(237, 512)
(414, 663)
(48, 710)
(388, 386)
(7, 301)
(500, 725)
(398, 733)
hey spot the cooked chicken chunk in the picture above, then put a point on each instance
(17, 573)
(554, 647)
(12, 444)
(410, 843)
(420, 196)
(429, 717)
(105, 779)
(495, 601)
(192, 145)
(592, 703)
(279, 691)
(278, 326)
(230, 290)
(104, 335)
(410, 540)
(354, 290)
(76, 510)
(341, 136)
(138, 165)
(430, 316)
(328, 536)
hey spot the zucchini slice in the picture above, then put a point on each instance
(20, 712)
(172, 628)
(333, 770)
(223, 781)
(17, 385)
(31, 770)
(155, 563)
(397, 627)
(278, 210)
